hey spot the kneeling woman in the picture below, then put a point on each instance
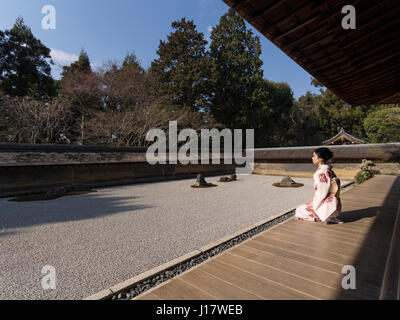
(326, 205)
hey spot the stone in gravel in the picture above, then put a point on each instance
(224, 179)
(69, 188)
(287, 182)
(202, 183)
(231, 178)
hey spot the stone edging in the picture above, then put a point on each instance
(154, 277)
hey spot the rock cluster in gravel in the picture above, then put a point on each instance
(202, 183)
(231, 178)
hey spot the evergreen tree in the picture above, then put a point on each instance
(383, 126)
(279, 128)
(334, 113)
(318, 117)
(239, 97)
(81, 65)
(182, 70)
(305, 128)
(24, 66)
(131, 61)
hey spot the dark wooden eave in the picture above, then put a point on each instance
(361, 66)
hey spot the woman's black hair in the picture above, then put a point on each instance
(324, 153)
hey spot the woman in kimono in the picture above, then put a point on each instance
(325, 205)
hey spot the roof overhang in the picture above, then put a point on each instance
(361, 66)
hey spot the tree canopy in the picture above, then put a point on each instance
(24, 63)
(81, 65)
(237, 95)
(222, 86)
(182, 69)
(383, 126)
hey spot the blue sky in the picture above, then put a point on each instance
(109, 29)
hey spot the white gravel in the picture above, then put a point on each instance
(97, 240)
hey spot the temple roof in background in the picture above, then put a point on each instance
(342, 137)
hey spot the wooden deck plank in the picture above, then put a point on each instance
(293, 255)
(345, 228)
(370, 277)
(333, 231)
(254, 282)
(331, 236)
(291, 280)
(339, 228)
(348, 228)
(368, 207)
(338, 231)
(365, 201)
(383, 190)
(148, 296)
(307, 242)
(373, 195)
(321, 257)
(383, 186)
(365, 212)
(217, 287)
(326, 245)
(367, 224)
(328, 249)
(311, 251)
(368, 193)
(302, 269)
(181, 290)
(310, 239)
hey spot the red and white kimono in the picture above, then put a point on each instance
(324, 204)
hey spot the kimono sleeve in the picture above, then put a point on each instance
(322, 184)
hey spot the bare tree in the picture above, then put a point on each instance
(27, 120)
(123, 87)
(129, 128)
(112, 106)
(130, 110)
(83, 91)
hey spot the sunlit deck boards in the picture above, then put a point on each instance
(302, 260)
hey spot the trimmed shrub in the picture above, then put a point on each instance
(366, 171)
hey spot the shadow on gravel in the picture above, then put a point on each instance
(16, 215)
